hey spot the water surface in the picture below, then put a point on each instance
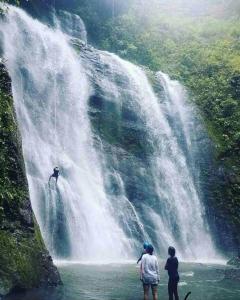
(120, 282)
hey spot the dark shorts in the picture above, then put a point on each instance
(148, 285)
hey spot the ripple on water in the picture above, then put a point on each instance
(182, 283)
(187, 274)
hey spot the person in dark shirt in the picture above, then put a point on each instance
(172, 268)
(145, 245)
(55, 174)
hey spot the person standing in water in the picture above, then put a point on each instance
(149, 273)
(172, 268)
(144, 251)
(55, 174)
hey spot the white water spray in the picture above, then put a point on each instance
(45, 73)
(178, 215)
(93, 203)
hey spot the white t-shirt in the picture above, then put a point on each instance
(149, 269)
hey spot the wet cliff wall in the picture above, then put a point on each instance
(24, 261)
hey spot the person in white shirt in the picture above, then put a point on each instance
(149, 273)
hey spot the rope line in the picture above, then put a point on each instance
(55, 109)
(113, 9)
(55, 127)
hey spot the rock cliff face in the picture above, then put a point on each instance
(24, 261)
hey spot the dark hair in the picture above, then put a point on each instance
(171, 251)
(150, 249)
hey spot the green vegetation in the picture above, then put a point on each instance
(13, 190)
(13, 195)
(19, 257)
(3, 8)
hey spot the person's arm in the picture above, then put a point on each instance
(140, 258)
(157, 269)
(166, 265)
(142, 266)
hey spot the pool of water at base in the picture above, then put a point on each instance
(121, 282)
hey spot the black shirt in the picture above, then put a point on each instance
(172, 267)
(56, 172)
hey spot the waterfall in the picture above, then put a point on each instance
(47, 76)
(126, 152)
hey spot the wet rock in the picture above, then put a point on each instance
(51, 276)
(26, 213)
(24, 261)
(235, 261)
(72, 25)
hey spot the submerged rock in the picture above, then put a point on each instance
(24, 261)
(235, 261)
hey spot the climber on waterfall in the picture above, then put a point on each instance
(145, 245)
(55, 174)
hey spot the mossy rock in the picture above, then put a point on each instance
(25, 262)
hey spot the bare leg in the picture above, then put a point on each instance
(154, 292)
(146, 291)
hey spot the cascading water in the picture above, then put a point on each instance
(170, 209)
(125, 152)
(51, 90)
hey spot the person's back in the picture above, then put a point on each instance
(54, 175)
(150, 272)
(172, 267)
(56, 172)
